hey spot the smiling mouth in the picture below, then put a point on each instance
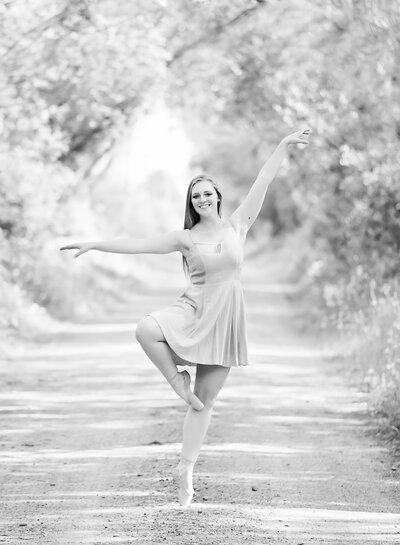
(204, 206)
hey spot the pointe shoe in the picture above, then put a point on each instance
(183, 474)
(182, 388)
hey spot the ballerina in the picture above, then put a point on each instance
(205, 327)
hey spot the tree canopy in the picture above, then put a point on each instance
(240, 74)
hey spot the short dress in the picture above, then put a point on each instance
(207, 324)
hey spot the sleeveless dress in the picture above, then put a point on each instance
(207, 324)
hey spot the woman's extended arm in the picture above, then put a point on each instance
(158, 244)
(248, 211)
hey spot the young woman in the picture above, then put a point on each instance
(206, 326)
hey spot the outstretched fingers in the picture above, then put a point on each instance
(82, 249)
(302, 136)
(70, 247)
(298, 137)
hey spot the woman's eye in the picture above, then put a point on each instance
(205, 194)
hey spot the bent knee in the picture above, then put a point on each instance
(207, 399)
(209, 403)
(147, 330)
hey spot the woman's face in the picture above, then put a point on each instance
(204, 198)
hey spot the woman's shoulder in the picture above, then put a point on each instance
(239, 226)
(183, 240)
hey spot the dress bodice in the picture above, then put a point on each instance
(213, 263)
(206, 325)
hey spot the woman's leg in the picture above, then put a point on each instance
(209, 381)
(152, 340)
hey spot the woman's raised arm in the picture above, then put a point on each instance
(248, 211)
(157, 244)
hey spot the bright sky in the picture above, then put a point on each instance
(159, 143)
(148, 177)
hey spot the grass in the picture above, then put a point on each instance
(369, 328)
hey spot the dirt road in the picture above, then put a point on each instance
(90, 433)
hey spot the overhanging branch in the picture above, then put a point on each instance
(214, 33)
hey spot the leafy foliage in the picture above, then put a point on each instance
(240, 73)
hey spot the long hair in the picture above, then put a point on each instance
(191, 216)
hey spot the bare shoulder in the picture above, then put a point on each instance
(236, 220)
(240, 225)
(182, 240)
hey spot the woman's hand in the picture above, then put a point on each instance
(298, 137)
(83, 247)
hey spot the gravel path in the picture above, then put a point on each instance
(90, 433)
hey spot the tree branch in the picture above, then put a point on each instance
(82, 140)
(213, 34)
(37, 28)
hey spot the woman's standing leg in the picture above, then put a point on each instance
(152, 340)
(209, 381)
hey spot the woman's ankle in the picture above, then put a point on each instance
(186, 461)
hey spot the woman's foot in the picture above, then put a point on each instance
(181, 384)
(184, 473)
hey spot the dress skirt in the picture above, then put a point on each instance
(206, 324)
